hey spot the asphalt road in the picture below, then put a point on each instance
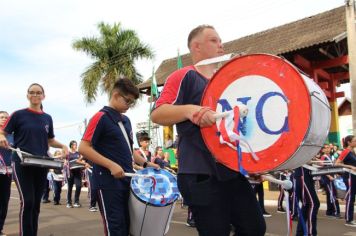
(61, 221)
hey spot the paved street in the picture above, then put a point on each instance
(60, 221)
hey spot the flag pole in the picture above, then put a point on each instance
(151, 100)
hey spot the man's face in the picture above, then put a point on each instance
(209, 44)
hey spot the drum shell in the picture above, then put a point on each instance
(149, 220)
(318, 128)
(256, 77)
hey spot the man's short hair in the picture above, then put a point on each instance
(126, 87)
(196, 31)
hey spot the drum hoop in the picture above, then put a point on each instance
(167, 175)
(305, 88)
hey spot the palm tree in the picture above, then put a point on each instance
(114, 53)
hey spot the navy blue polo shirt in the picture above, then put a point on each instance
(348, 157)
(186, 86)
(5, 154)
(106, 137)
(73, 156)
(31, 130)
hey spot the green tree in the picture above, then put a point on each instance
(114, 53)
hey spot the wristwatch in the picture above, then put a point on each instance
(145, 164)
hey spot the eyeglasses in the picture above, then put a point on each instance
(129, 102)
(35, 93)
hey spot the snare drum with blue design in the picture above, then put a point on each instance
(159, 190)
(151, 202)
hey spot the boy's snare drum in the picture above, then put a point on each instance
(151, 202)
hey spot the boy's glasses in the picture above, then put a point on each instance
(129, 102)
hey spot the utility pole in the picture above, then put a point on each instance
(351, 44)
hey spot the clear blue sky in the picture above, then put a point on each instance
(36, 37)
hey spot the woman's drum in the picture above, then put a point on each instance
(151, 202)
(340, 188)
(288, 116)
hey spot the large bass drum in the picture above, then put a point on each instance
(288, 119)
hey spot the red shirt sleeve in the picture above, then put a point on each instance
(89, 132)
(171, 88)
(344, 154)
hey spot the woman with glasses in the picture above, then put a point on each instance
(348, 159)
(32, 129)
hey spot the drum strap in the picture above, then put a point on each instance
(125, 135)
(143, 153)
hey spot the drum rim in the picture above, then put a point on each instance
(148, 169)
(246, 156)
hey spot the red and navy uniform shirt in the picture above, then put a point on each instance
(73, 156)
(348, 157)
(106, 137)
(186, 86)
(31, 130)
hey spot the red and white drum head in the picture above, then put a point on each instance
(279, 107)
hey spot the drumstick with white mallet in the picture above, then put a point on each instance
(243, 111)
(286, 184)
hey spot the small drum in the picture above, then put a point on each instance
(42, 161)
(340, 188)
(288, 116)
(74, 165)
(151, 202)
(5, 170)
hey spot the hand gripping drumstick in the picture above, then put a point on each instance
(286, 184)
(19, 152)
(242, 109)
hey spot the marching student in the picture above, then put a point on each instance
(332, 204)
(57, 183)
(306, 194)
(33, 133)
(5, 178)
(348, 159)
(217, 195)
(107, 142)
(75, 175)
(143, 150)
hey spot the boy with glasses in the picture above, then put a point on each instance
(107, 142)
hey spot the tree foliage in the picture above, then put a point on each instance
(114, 53)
